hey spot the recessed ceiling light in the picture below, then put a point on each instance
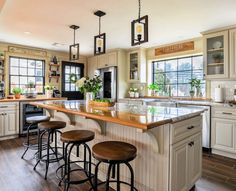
(27, 32)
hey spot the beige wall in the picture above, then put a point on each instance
(46, 55)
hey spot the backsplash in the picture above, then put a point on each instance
(228, 88)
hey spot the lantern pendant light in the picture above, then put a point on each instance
(100, 40)
(74, 49)
(139, 29)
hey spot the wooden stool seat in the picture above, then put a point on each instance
(37, 119)
(51, 125)
(78, 136)
(114, 151)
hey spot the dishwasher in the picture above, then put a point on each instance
(206, 124)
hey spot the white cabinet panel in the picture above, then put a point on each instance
(232, 53)
(11, 123)
(92, 66)
(1, 124)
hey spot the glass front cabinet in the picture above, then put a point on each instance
(137, 66)
(216, 59)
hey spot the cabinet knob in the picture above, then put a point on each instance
(191, 144)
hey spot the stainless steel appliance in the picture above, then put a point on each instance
(27, 110)
(109, 83)
(2, 90)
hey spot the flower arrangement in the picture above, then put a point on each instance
(48, 87)
(86, 84)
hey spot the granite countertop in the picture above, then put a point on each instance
(138, 116)
(39, 98)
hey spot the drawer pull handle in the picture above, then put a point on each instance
(3, 106)
(191, 127)
(226, 113)
(191, 144)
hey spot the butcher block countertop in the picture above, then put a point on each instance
(39, 98)
(137, 116)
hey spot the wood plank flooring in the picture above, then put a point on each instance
(219, 173)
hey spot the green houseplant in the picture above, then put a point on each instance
(195, 83)
(48, 90)
(154, 88)
(17, 92)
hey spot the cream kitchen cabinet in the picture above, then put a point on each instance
(216, 55)
(137, 66)
(185, 154)
(92, 66)
(107, 60)
(9, 119)
(223, 133)
(232, 53)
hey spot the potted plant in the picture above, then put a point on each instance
(218, 57)
(154, 88)
(49, 90)
(195, 83)
(31, 92)
(89, 86)
(17, 92)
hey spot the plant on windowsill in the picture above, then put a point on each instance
(195, 83)
(30, 90)
(49, 90)
(154, 88)
(17, 92)
(89, 86)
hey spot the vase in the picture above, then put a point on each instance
(89, 96)
(49, 93)
(198, 92)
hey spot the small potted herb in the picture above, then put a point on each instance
(17, 92)
(154, 88)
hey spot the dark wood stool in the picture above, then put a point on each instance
(76, 138)
(50, 129)
(34, 120)
(114, 153)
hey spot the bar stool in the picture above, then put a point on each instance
(114, 153)
(72, 139)
(35, 120)
(50, 129)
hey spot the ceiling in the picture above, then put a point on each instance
(42, 23)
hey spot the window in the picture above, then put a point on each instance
(25, 70)
(175, 74)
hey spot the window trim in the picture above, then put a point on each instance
(27, 58)
(177, 71)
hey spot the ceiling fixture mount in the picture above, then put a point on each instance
(74, 49)
(100, 39)
(139, 29)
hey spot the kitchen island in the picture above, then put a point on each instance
(168, 139)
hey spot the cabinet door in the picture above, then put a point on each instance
(195, 159)
(179, 167)
(112, 59)
(232, 53)
(216, 49)
(223, 134)
(1, 123)
(102, 61)
(11, 123)
(133, 66)
(92, 66)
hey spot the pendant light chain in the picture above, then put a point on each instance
(139, 11)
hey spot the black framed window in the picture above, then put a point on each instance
(25, 70)
(176, 74)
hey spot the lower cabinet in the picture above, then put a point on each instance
(224, 135)
(186, 163)
(9, 119)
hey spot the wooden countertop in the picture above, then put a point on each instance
(141, 117)
(41, 98)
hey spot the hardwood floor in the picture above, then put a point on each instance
(219, 173)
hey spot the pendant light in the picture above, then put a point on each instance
(139, 28)
(100, 39)
(74, 49)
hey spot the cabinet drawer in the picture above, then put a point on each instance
(224, 112)
(183, 129)
(8, 106)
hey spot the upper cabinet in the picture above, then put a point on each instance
(92, 66)
(107, 60)
(137, 66)
(216, 55)
(232, 48)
